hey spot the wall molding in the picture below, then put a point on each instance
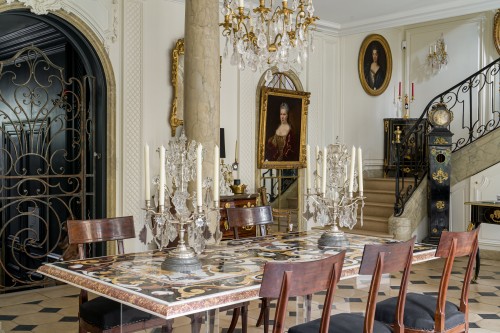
(131, 132)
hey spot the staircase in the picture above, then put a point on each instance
(379, 206)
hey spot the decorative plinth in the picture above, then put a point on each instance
(333, 239)
(179, 264)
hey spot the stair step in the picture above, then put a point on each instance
(379, 209)
(373, 223)
(379, 196)
(386, 184)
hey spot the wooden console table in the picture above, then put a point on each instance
(483, 212)
(236, 200)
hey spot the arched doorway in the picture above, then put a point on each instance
(53, 150)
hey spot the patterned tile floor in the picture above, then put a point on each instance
(54, 309)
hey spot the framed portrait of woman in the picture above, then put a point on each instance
(282, 130)
(374, 64)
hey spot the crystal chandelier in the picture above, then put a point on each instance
(437, 57)
(268, 36)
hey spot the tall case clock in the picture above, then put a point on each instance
(439, 175)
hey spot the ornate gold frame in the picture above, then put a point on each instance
(496, 30)
(366, 45)
(298, 102)
(177, 52)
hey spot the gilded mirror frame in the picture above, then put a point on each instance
(177, 53)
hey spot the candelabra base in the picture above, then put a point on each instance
(187, 262)
(333, 239)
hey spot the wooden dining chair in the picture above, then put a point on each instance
(102, 314)
(283, 280)
(377, 259)
(241, 217)
(427, 313)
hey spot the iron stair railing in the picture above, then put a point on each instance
(475, 103)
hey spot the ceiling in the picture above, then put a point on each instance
(354, 16)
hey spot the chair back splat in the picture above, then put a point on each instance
(383, 259)
(283, 280)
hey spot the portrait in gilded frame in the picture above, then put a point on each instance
(374, 64)
(282, 130)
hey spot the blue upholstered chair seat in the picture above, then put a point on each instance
(341, 323)
(106, 313)
(419, 312)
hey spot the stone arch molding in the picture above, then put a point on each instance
(103, 20)
(79, 18)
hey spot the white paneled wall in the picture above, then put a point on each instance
(339, 106)
(363, 114)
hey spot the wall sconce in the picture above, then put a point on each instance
(438, 56)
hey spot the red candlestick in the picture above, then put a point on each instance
(412, 90)
(399, 90)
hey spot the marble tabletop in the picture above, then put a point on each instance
(231, 272)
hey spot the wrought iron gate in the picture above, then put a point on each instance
(47, 163)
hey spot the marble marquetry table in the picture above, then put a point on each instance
(231, 272)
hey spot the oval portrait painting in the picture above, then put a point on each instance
(374, 64)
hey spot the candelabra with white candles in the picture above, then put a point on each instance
(173, 207)
(336, 193)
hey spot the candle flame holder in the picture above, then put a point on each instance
(168, 220)
(337, 206)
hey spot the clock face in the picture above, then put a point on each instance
(441, 118)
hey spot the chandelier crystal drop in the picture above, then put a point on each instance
(263, 37)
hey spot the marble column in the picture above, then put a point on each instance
(202, 78)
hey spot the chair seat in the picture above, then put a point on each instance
(341, 323)
(419, 312)
(106, 313)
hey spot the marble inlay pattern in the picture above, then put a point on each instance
(231, 272)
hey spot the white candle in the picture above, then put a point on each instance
(199, 200)
(351, 174)
(161, 200)
(216, 173)
(323, 178)
(241, 3)
(317, 168)
(147, 188)
(308, 167)
(360, 170)
(236, 152)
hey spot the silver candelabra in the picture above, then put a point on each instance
(168, 217)
(335, 202)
